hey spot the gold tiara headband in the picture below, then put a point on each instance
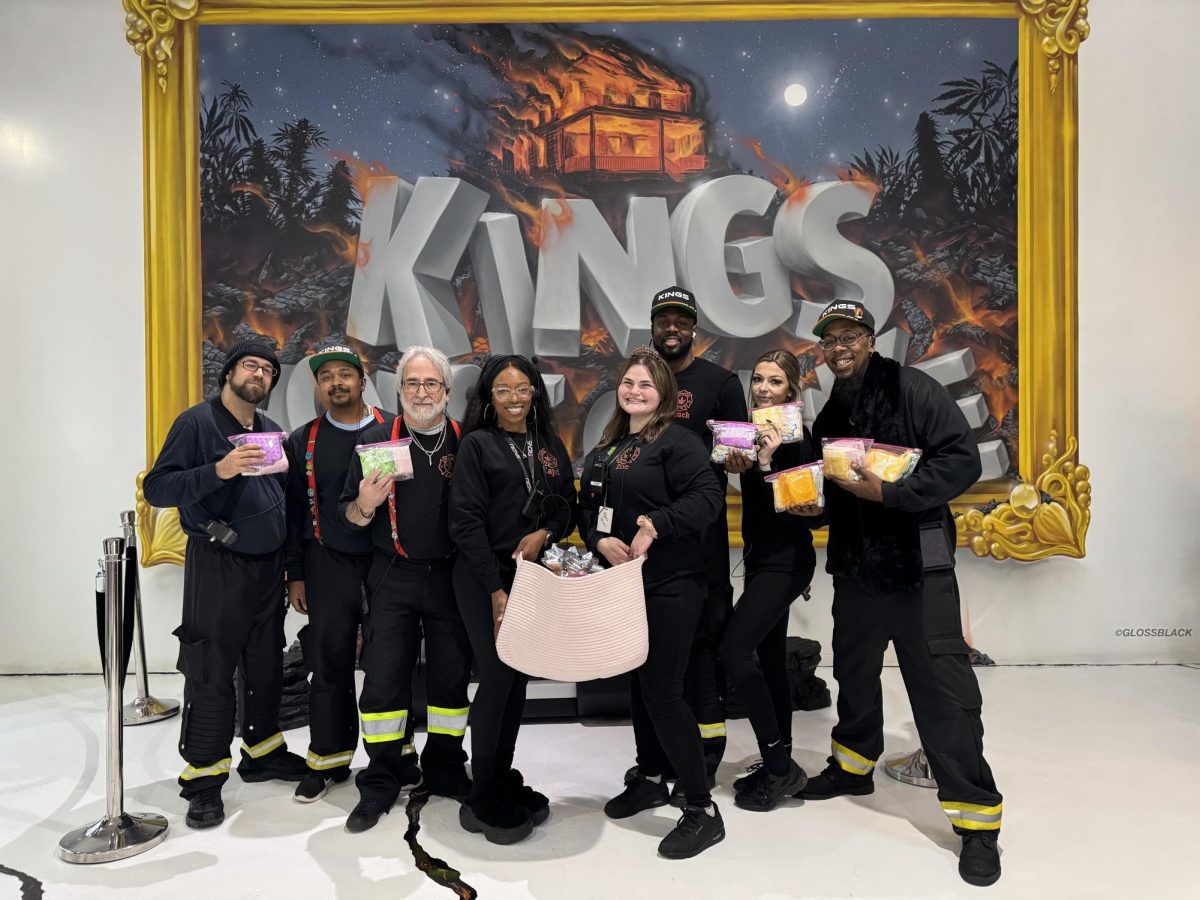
(644, 351)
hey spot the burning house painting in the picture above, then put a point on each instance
(297, 123)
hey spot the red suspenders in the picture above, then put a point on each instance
(392, 493)
(310, 455)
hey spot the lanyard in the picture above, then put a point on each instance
(399, 420)
(310, 470)
(614, 453)
(525, 462)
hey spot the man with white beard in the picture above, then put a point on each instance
(410, 595)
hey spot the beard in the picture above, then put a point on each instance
(422, 416)
(684, 348)
(248, 391)
(342, 400)
(845, 390)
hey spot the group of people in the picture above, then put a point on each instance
(433, 557)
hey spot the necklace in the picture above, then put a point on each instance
(436, 447)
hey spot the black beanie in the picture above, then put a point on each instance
(257, 345)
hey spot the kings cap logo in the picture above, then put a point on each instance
(335, 349)
(677, 295)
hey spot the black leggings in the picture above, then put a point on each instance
(760, 622)
(500, 700)
(664, 728)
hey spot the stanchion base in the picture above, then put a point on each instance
(111, 839)
(911, 768)
(148, 709)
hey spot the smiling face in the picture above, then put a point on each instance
(340, 385)
(672, 333)
(847, 361)
(251, 378)
(769, 385)
(636, 393)
(512, 398)
(423, 395)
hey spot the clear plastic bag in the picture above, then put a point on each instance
(891, 463)
(271, 443)
(788, 417)
(389, 457)
(728, 436)
(839, 454)
(799, 486)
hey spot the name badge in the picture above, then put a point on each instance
(604, 519)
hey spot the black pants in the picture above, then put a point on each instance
(500, 698)
(925, 627)
(334, 583)
(759, 623)
(705, 680)
(406, 600)
(233, 608)
(664, 728)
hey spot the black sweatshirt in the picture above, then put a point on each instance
(707, 391)
(331, 464)
(422, 502)
(185, 475)
(672, 482)
(489, 494)
(777, 541)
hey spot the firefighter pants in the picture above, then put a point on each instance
(233, 608)
(925, 627)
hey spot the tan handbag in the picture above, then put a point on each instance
(575, 629)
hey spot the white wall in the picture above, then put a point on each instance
(71, 264)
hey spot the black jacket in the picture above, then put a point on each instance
(881, 542)
(777, 541)
(672, 482)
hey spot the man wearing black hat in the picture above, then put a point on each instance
(233, 578)
(891, 555)
(327, 562)
(706, 391)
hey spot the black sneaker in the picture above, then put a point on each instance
(447, 781)
(694, 833)
(639, 794)
(205, 809)
(277, 766)
(535, 803)
(315, 785)
(768, 790)
(366, 815)
(979, 861)
(678, 800)
(495, 816)
(755, 772)
(834, 782)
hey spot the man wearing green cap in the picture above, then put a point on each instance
(327, 562)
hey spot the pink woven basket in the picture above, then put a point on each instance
(575, 629)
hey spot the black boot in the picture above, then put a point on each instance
(278, 765)
(768, 790)
(639, 794)
(366, 815)
(979, 861)
(836, 781)
(205, 809)
(533, 802)
(492, 813)
(694, 833)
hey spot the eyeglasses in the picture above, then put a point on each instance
(846, 340)
(503, 393)
(412, 385)
(252, 367)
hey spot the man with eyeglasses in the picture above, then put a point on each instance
(327, 562)
(891, 555)
(233, 603)
(410, 595)
(706, 391)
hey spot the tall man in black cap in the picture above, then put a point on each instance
(891, 555)
(327, 561)
(706, 391)
(233, 604)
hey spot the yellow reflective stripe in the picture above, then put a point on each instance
(217, 768)
(332, 761)
(716, 729)
(852, 762)
(384, 726)
(441, 720)
(262, 748)
(973, 816)
(975, 826)
(948, 805)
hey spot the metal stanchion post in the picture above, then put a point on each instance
(119, 834)
(146, 708)
(911, 768)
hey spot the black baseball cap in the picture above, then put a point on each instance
(850, 310)
(674, 298)
(335, 354)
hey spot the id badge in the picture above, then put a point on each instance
(604, 519)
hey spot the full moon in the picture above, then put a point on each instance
(795, 95)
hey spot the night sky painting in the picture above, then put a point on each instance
(922, 111)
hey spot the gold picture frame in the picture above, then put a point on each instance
(1045, 513)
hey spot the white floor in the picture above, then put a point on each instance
(1098, 765)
